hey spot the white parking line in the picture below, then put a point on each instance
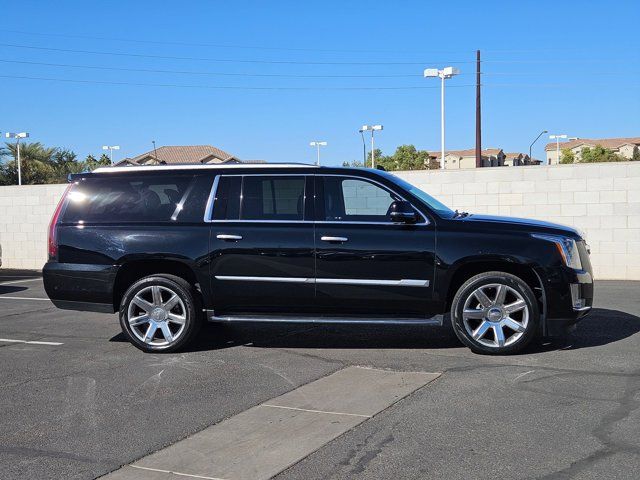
(175, 473)
(20, 281)
(314, 411)
(23, 298)
(30, 342)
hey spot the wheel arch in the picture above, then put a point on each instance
(132, 271)
(525, 272)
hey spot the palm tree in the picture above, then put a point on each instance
(35, 164)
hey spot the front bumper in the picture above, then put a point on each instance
(569, 298)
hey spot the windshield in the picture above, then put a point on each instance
(434, 204)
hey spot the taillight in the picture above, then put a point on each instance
(53, 226)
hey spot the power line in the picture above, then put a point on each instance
(192, 72)
(235, 87)
(222, 60)
(216, 87)
(279, 75)
(220, 45)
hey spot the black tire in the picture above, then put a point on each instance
(495, 316)
(190, 303)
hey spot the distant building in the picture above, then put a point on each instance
(517, 159)
(455, 159)
(622, 146)
(171, 155)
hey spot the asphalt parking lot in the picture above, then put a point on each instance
(79, 402)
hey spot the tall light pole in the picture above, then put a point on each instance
(372, 128)
(18, 136)
(364, 148)
(444, 74)
(532, 143)
(318, 145)
(111, 148)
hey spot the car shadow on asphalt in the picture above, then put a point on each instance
(5, 289)
(601, 327)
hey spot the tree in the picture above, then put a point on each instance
(91, 163)
(567, 156)
(35, 164)
(406, 157)
(40, 164)
(636, 154)
(599, 154)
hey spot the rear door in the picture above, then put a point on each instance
(365, 263)
(262, 244)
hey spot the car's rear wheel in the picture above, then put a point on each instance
(160, 313)
(495, 313)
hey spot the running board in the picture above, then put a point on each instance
(435, 320)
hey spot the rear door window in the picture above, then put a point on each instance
(141, 198)
(272, 198)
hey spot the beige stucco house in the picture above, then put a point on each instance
(622, 146)
(456, 159)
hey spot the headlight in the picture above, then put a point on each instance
(567, 248)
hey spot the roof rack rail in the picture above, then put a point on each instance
(214, 166)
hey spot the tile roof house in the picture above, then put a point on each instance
(623, 146)
(181, 154)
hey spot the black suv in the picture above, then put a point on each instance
(170, 247)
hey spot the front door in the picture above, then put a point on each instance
(365, 263)
(262, 245)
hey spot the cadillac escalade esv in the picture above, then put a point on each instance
(169, 247)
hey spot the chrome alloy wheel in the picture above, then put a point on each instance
(157, 316)
(495, 315)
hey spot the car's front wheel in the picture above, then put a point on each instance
(160, 313)
(495, 313)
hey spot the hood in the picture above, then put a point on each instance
(523, 224)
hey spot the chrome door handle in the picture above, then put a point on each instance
(334, 239)
(228, 237)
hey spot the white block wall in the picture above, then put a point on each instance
(602, 200)
(25, 213)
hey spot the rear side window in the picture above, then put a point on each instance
(272, 198)
(269, 197)
(142, 198)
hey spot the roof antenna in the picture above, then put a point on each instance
(155, 152)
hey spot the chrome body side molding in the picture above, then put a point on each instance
(265, 279)
(436, 320)
(330, 281)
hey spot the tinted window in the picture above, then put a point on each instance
(142, 198)
(351, 199)
(226, 205)
(272, 198)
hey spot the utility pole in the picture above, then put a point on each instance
(478, 115)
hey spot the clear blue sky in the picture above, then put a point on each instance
(569, 67)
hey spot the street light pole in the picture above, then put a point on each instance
(445, 73)
(18, 136)
(318, 145)
(111, 148)
(364, 149)
(371, 128)
(442, 127)
(557, 139)
(532, 143)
